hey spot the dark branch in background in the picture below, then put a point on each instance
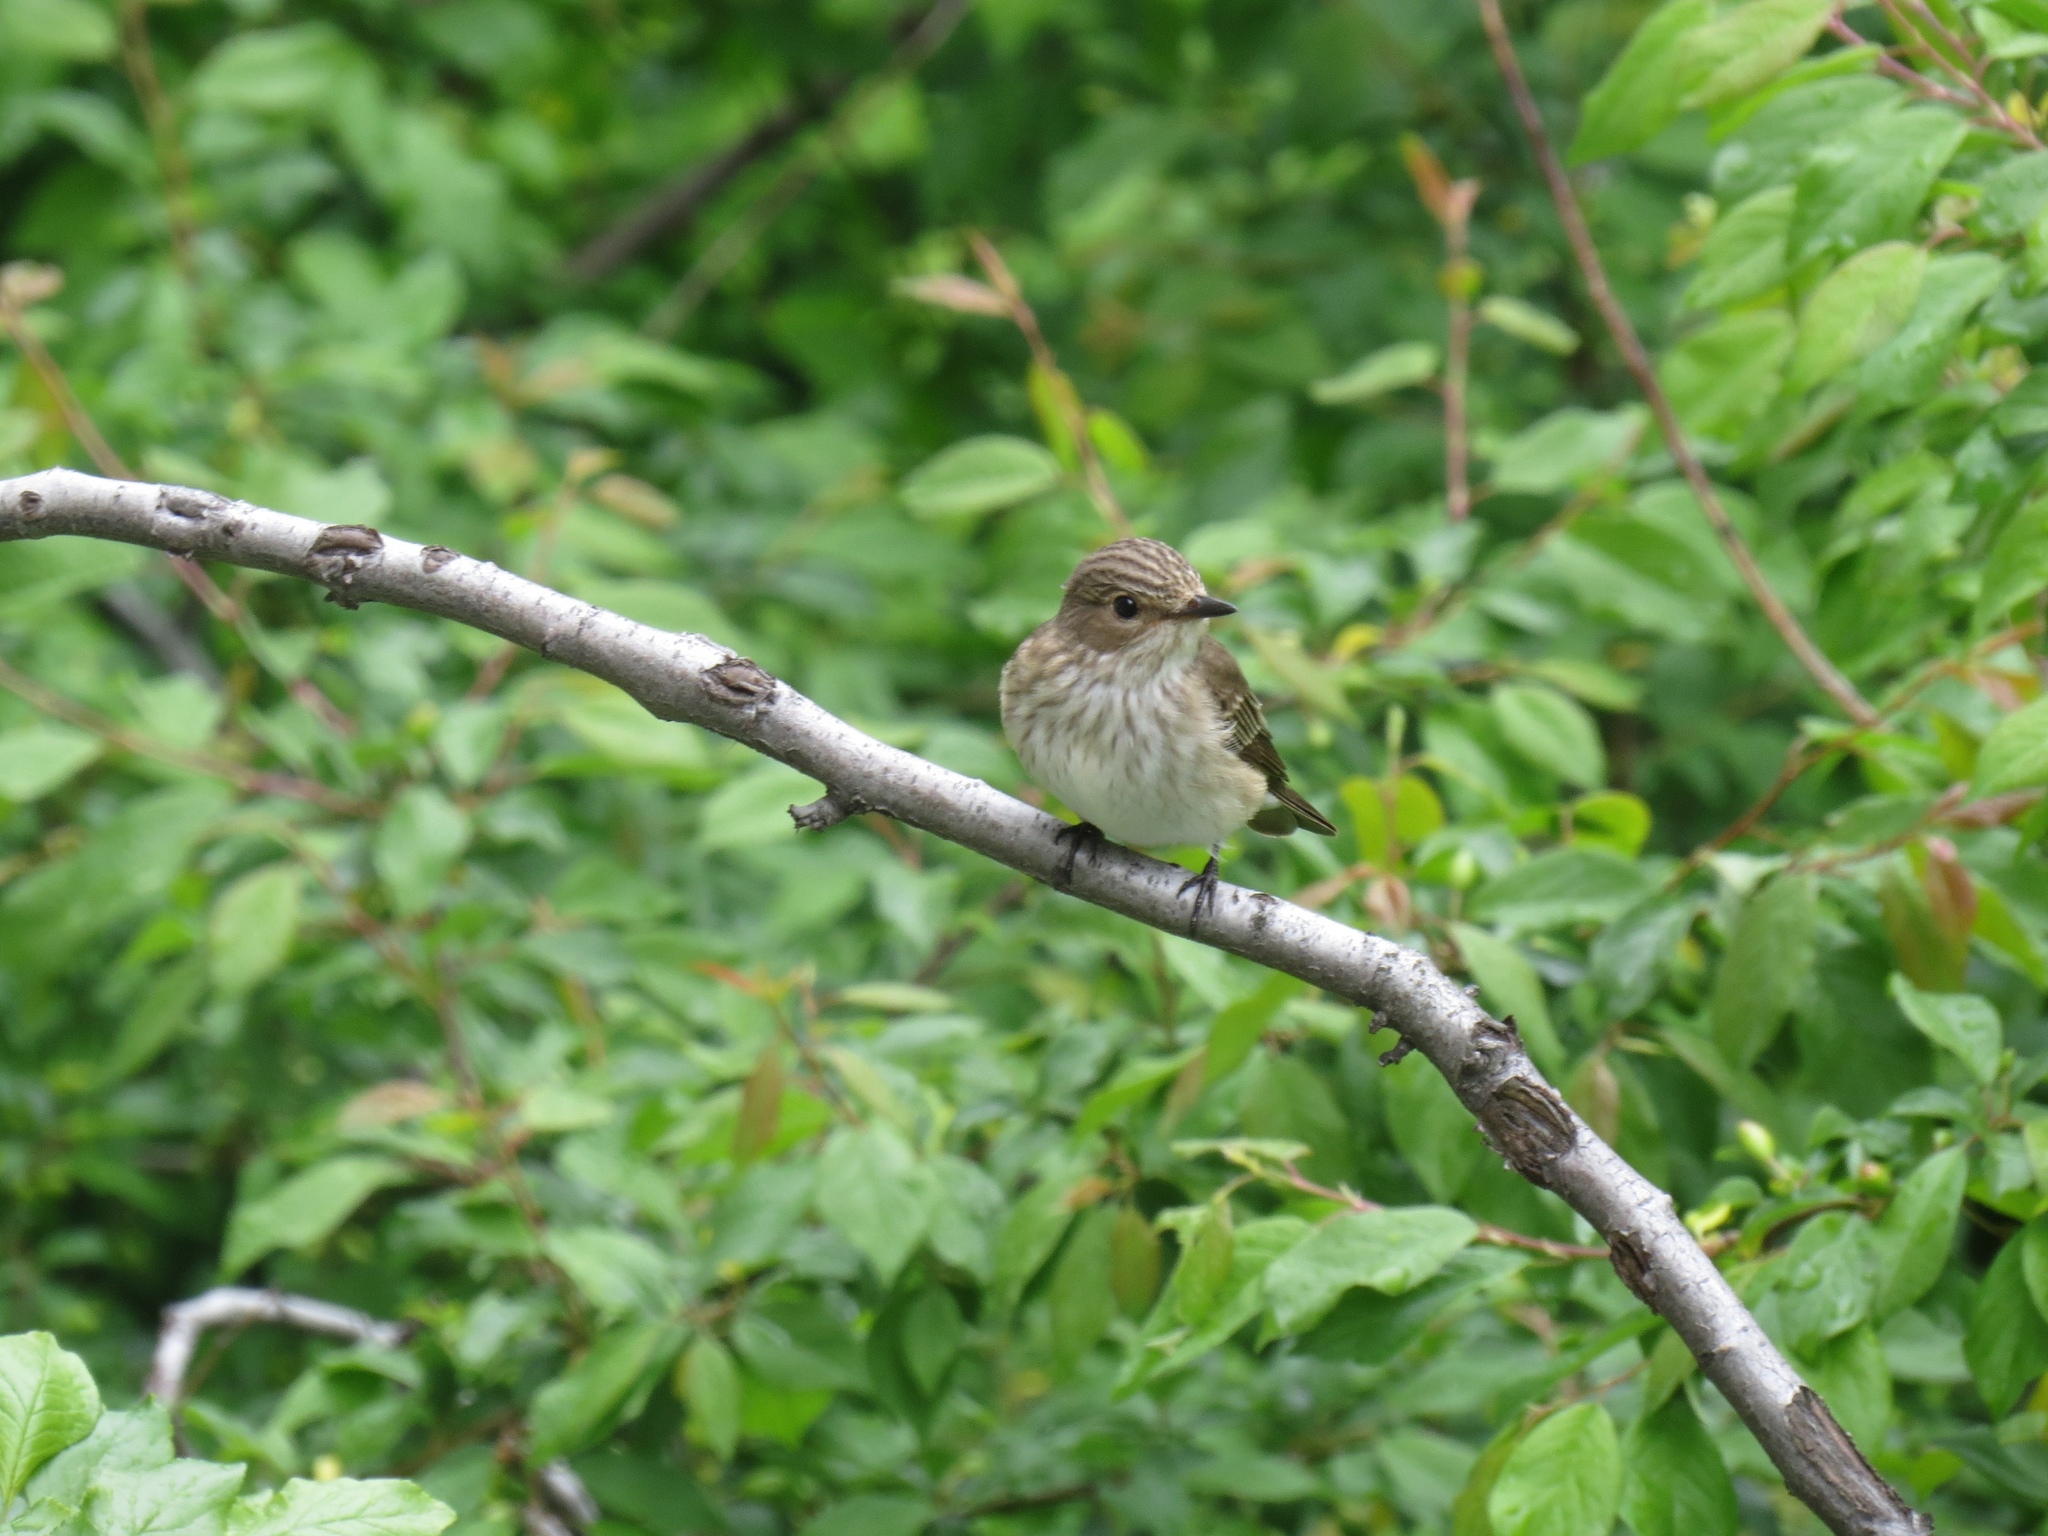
(672, 209)
(689, 678)
(1630, 345)
(726, 252)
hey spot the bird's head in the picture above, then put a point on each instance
(1138, 594)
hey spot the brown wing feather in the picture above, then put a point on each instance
(1251, 741)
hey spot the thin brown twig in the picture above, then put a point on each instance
(249, 780)
(1493, 1236)
(1450, 203)
(725, 253)
(1594, 273)
(138, 58)
(1065, 396)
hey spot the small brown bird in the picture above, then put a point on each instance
(1124, 707)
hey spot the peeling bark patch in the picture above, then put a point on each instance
(180, 501)
(1833, 1460)
(1528, 1124)
(434, 556)
(30, 502)
(739, 681)
(1632, 1263)
(338, 553)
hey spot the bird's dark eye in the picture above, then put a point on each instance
(1126, 607)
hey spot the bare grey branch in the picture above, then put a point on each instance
(230, 1306)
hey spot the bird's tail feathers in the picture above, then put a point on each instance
(1292, 814)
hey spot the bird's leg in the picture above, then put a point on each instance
(1082, 834)
(1204, 887)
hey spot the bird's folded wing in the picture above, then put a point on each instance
(1249, 737)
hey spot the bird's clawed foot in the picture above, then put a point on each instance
(1204, 886)
(1082, 834)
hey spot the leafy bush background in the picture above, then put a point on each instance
(832, 1183)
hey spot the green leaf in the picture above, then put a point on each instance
(1565, 449)
(1829, 1280)
(2014, 571)
(1082, 1297)
(873, 1514)
(1637, 98)
(1856, 309)
(1677, 1484)
(619, 1272)
(249, 933)
(1208, 1260)
(1135, 1260)
(1239, 1026)
(1745, 47)
(1525, 322)
(39, 758)
(1403, 364)
(709, 1385)
(983, 474)
(1551, 731)
(1134, 1082)
(1964, 1025)
(1390, 1251)
(1563, 1479)
(1917, 1232)
(2015, 754)
(134, 1441)
(1867, 181)
(1721, 378)
(1430, 1128)
(73, 30)
(1909, 367)
(347, 1507)
(47, 1402)
(416, 847)
(186, 1498)
(868, 1188)
(2007, 1342)
(571, 1412)
(305, 1208)
(1565, 885)
(1509, 985)
(1764, 974)
(1744, 254)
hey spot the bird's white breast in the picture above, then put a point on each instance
(1139, 750)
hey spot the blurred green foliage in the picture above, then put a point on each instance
(847, 1184)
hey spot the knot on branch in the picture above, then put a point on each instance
(183, 501)
(1529, 1126)
(339, 552)
(739, 681)
(1631, 1262)
(434, 556)
(1402, 1044)
(833, 807)
(30, 502)
(1833, 1459)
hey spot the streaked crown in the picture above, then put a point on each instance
(1156, 574)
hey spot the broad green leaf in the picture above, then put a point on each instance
(1551, 731)
(620, 1273)
(1430, 1128)
(1916, 1234)
(1676, 1482)
(1563, 1479)
(2007, 1343)
(347, 1507)
(305, 1208)
(1866, 182)
(1134, 1262)
(1850, 1372)
(1525, 322)
(1239, 1026)
(873, 1514)
(1744, 47)
(1855, 310)
(1765, 972)
(1909, 367)
(1403, 364)
(1565, 449)
(250, 930)
(1387, 1250)
(1509, 985)
(868, 1188)
(573, 1410)
(708, 1382)
(2015, 754)
(983, 474)
(1135, 1081)
(1208, 1261)
(1721, 378)
(135, 1441)
(1964, 1025)
(416, 847)
(1828, 1281)
(39, 758)
(1416, 810)
(1565, 885)
(47, 1402)
(186, 1498)
(1744, 254)
(1638, 96)
(1082, 1298)
(2014, 571)
(74, 30)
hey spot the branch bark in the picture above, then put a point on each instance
(689, 678)
(1594, 273)
(231, 1306)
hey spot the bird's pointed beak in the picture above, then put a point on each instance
(1204, 607)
